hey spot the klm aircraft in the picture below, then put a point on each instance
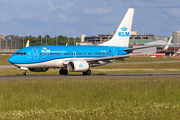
(76, 58)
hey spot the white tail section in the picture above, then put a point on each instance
(122, 34)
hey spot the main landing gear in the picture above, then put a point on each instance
(63, 71)
(25, 73)
(88, 72)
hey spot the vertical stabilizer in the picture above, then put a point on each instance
(122, 34)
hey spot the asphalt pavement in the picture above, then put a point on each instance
(117, 76)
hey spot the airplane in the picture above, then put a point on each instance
(167, 45)
(77, 58)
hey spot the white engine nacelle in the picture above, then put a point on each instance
(78, 66)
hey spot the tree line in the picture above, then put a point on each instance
(61, 40)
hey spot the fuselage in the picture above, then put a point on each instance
(53, 56)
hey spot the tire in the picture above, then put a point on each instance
(84, 73)
(63, 72)
(25, 73)
(88, 72)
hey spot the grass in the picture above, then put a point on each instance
(93, 99)
(4, 60)
(146, 59)
(90, 99)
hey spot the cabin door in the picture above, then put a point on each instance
(35, 53)
(74, 54)
(115, 52)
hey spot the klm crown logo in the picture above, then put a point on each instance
(124, 28)
(123, 33)
(80, 65)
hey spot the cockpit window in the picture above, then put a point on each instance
(20, 53)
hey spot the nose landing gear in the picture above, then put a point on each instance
(25, 73)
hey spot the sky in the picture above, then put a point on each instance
(72, 18)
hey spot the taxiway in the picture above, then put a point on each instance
(117, 76)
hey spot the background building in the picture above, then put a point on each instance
(138, 40)
(9, 44)
(95, 40)
(176, 36)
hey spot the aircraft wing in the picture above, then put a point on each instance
(115, 57)
(130, 49)
(119, 57)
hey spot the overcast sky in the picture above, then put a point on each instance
(90, 17)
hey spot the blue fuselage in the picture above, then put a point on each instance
(40, 54)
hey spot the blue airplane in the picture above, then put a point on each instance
(76, 58)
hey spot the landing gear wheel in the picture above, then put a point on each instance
(63, 72)
(88, 72)
(25, 73)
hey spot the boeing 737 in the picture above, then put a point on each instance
(76, 58)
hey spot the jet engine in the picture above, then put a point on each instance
(78, 66)
(38, 69)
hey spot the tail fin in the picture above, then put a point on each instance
(121, 36)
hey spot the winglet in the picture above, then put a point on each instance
(27, 44)
(167, 45)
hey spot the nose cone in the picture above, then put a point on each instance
(11, 60)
